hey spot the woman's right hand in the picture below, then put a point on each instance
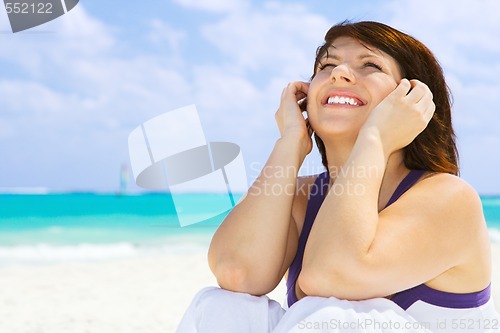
(289, 118)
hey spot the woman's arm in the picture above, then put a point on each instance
(257, 241)
(354, 252)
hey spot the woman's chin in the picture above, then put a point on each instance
(337, 131)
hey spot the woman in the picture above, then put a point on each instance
(389, 226)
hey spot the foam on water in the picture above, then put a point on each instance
(49, 253)
(494, 235)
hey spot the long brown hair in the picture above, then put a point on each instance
(434, 149)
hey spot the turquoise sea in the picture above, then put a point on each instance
(40, 228)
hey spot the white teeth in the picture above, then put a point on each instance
(342, 100)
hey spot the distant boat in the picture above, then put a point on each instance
(124, 177)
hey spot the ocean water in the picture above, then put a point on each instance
(38, 228)
(41, 228)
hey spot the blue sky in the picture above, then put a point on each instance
(73, 89)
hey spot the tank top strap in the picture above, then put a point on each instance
(410, 179)
(316, 197)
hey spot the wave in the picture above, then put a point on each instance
(176, 245)
(490, 200)
(494, 235)
(48, 253)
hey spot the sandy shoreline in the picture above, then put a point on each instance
(145, 294)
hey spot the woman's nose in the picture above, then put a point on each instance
(342, 73)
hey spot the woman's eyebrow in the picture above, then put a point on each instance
(330, 56)
(369, 55)
(360, 57)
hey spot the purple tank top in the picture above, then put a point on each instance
(404, 298)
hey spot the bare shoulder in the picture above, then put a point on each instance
(449, 191)
(450, 203)
(455, 209)
(447, 213)
(442, 204)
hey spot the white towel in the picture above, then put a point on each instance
(319, 314)
(215, 310)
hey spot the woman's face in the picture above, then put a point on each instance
(350, 81)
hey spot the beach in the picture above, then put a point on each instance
(144, 294)
(137, 294)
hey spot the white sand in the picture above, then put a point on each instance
(147, 294)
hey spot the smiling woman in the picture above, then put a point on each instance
(387, 235)
(348, 63)
(433, 149)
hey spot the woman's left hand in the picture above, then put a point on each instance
(402, 115)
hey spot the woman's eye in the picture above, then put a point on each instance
(325, 66)
(373, 65)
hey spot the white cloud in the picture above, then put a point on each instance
(214, 5)
(162, 32)
(281, 38)
(74, 98)
(29, 97)
(84, 35)
(72, 36)
(82, 63)
(461, 14)
(216, 88)
(461, 33)
(475, 107)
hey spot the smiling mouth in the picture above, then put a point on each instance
(343, 100)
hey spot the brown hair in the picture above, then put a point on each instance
(434, 149)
